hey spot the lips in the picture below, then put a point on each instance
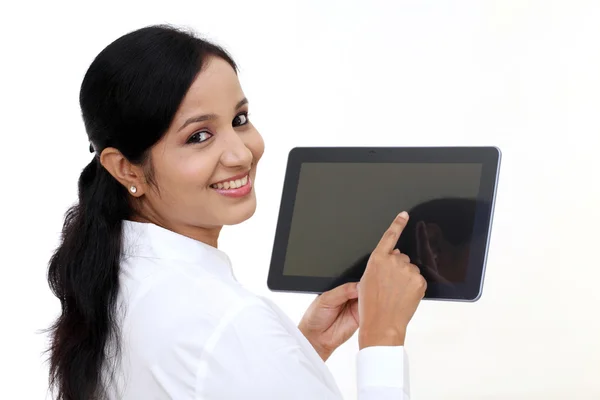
(236, 187)
(235, 182)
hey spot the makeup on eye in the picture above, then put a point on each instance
(199, 137)
(210, 117)
(203, 135)
(243, 116)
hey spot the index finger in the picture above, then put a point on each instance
(388, 241)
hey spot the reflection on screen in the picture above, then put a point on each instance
(342, 209)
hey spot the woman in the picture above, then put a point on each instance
(150, 307)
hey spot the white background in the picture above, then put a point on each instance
(520, 74)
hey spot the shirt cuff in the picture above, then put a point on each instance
(383, 366)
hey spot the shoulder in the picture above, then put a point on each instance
(171, 311)
(155, 292)
(169, 320)
(162, 302)
(203, 336)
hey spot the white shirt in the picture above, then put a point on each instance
(189, 330)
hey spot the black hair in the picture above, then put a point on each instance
(128, 99)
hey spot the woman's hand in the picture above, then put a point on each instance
(391, 289)
(331, 319)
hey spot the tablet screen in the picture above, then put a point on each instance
(342, 209)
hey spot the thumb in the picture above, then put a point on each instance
(339, 295)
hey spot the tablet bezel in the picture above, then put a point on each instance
(488, 157)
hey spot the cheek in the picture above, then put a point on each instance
(189, 173)
(197, 171)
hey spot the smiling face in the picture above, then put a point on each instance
(204, 166)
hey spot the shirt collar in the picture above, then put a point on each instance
(148, 240)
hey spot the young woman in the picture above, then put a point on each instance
(150, 307)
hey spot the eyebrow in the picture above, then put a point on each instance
(208, 117)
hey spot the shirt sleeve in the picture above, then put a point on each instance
(256, 354)
(382, 373)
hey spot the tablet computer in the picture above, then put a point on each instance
(337, 202)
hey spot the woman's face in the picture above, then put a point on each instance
(204, 166)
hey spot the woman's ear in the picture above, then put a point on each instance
(129, 175)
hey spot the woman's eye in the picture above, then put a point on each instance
(199, 137)
(240, 119)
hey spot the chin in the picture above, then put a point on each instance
(240, 212)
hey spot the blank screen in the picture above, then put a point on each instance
(341, 211)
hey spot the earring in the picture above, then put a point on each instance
(133, 189)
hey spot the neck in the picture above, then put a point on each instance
(208, 235)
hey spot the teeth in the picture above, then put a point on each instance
(238, 183)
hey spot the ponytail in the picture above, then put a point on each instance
(84, 274)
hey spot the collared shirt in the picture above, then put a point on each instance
(189, 330)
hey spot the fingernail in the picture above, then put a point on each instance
(403, 215)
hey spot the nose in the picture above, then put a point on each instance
(236, 153)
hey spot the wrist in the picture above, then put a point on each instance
(381, 337)
(321, 350)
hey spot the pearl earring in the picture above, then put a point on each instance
(133, 189)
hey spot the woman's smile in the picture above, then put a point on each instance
(235, 186)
